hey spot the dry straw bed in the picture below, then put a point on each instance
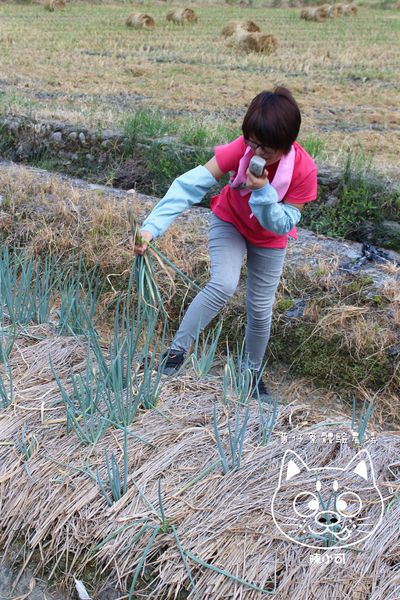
(182, 522)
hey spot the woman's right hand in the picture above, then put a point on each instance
(146, 237)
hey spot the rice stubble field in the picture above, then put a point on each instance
(83, 65)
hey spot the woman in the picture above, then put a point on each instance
(251, 214)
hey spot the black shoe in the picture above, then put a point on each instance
(171, 361)
(260, 390)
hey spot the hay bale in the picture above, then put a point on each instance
(314, 13)
(338, 10)
(256, 41)
(267, 43)
(140, 21)
(51, 5)
(323, 12)
(179, 16)
(233, 26)
(335, 10)
(350, 10)
(327, 8)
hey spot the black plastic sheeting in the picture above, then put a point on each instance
(369, 253)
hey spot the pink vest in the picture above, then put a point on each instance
(280, 182)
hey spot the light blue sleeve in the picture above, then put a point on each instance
(275, 216)
(186, 190)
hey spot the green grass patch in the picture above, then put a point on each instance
(363, 202)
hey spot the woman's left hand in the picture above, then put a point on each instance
(255, 183)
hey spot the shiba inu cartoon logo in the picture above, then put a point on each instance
(327, 507)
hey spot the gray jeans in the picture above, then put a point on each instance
(227, 248)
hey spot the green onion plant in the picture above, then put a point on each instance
(79, 291)
(268, 412)
(26, 286)
(8, 335)
(26, 444)
(203, 355)
(363, 419)
(231, 460)
(6, 392)
(85, 403)
(238, 382)
(117, 477)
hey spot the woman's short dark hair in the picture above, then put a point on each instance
(274, 119)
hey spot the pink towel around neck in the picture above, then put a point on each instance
(281, 180)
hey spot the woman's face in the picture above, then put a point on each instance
(270, 155)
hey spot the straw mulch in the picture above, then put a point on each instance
(222, 519)
(140, 21)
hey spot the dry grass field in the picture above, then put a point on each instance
(82, 64)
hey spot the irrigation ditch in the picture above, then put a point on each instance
(164, 529)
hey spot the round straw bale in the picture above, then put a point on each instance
(327, 8)
(231, 27)
(170, 15)
(253, 42)
(189, 15)
(309, 14)
(267, 43)
(140, 21)
(179, 16)
(316, 13)
(51, 5)
(335, 10)
(323, 12)
(338, 9)
(350, 10)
